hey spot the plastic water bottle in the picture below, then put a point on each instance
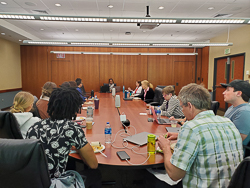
(158, 112)
(108, 133)
(95, 97)
(89, 112)
(123, 89)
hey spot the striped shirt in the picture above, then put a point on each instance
(173, 109)
(209, 148)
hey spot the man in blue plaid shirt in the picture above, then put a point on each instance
(208, 148)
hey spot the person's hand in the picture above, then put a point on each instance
(163, 143)
(172, 136)
(171, 118)
(129, 88)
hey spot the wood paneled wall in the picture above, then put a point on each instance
(40, 66)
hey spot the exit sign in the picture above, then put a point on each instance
(60, 55)
(227, 51)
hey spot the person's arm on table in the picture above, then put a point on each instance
(173, 172)
(88, 156)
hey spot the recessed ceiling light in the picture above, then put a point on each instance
(3, 3)
(58, 4)
(110, 6)
(76, 30)
(111, 30)
(41, 29)
(210, 8)
(20, 40)
(160, 7)
(144, 31)
(2, 33)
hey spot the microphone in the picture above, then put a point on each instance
(113, 92)
(117, 101)
(125, 124)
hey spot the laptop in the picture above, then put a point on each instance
(139, 139)
(173, 129)
(159, 121)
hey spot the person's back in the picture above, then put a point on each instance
(42, 103)
(59, 133)
(218, 150)
(22, 104)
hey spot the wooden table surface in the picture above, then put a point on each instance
(108, 113)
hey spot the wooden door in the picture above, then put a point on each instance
(184, 74)
(61, 71)
(226, 73)
(221, 77)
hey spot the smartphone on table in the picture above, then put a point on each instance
(123, 155)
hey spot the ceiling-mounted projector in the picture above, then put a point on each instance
(145, 26)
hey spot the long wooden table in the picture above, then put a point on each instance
(108, 113)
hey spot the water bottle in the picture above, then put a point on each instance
(123, 89)
(89, 112)
(95, 97)
(108, 133)
(92, 93)
(158, 112)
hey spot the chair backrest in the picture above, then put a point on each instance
(23, 164)
(9, 127)
(35, 111)
(240, 178)
(158, 96)
(215, 106)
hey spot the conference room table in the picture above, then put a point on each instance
(107, 112)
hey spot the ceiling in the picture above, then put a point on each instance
(16, 30)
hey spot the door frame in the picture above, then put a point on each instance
(228, 65)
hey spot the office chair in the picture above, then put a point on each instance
(158, 98)
(9, 127)
(23, 164)
(215, 106)
(35, 111)
(240, 178)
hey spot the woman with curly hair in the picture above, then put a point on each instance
(59, 133)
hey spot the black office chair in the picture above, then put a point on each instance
(34, 110)
(9, 127)
(215, 106)
(158, 98)
(23, 164)
(240, 178)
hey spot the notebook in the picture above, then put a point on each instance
(159, 121)
(139, 139)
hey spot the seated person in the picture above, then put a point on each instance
(137, 90)
(237, 93)
(208, 148)
(111, 84)
(42, 103)
(59, 133)
(65, 85)
(73, 84)
(147, 93)
(22, 104)
(79, 88)
(171, 105)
